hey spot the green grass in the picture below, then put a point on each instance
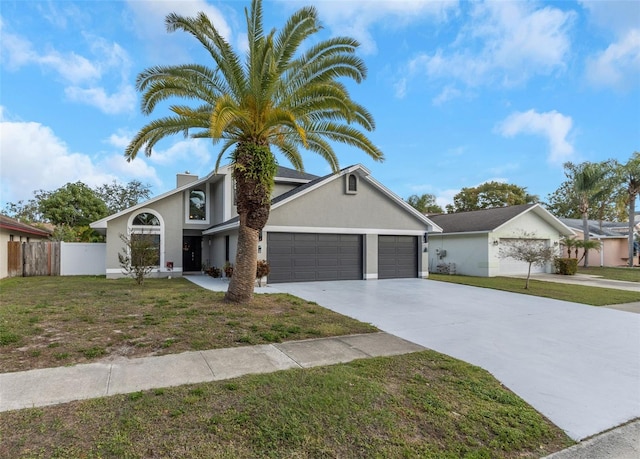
(623, 274)
(423, 405)
(594, 296)
(49, 321)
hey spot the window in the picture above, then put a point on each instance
(146, 231)
(197, 205)
(145, 247)
(351, 184)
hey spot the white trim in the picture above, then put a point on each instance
(338, 230)
(222, 228)
(371, 276)
(154, 270)
(423, 274)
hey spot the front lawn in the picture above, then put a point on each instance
(423, 405)
(623, 274)
(594, 296)
(56, 321)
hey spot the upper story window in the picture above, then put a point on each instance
(351, 184)
(197, 205)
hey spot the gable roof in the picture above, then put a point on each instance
(283, 174)
(320, 181)
(487, 220)
(12, 224)
(609, 229)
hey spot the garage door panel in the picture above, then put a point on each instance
(397, 257)
(300, 257)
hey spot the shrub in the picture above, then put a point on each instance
(566, 266)
(262, 269)
(228, 269)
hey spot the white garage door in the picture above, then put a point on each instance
(509, 266)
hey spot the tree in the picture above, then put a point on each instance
(489, 195)
(425, 204)
(285, 95)
(119, 197)
(630, 177)
(139, 255)
(589, 185)
(74, 204)
(528, 249)
(564, 202)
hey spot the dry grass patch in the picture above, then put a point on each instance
(55, 321)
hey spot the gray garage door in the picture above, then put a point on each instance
(397, 257)
(302, 257)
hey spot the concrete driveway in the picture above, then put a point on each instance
(578, 365)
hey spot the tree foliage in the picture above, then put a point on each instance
(629, 174)
(119, 197)
(529, 249)
(73, 206)
(425, 204)
(285, 94)
(489, 195)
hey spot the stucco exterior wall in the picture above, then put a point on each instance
(469, 252)
(171, 209)
(613, 251)
(330, 207)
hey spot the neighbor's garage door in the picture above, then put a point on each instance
(510, 267)
(301, 257)
(397, 257)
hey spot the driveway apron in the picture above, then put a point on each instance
(578, 365)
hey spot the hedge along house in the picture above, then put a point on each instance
(470, 241)
(337, 227)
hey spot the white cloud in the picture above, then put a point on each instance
(355, 18)
(84, 78)
(502, 42)
(619, 65)
(32, 157)
(553, 126)
(189, 151)
(148, 22)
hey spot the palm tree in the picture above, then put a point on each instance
(630, 173)
(587, 184)
(281, 96)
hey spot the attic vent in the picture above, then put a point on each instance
(351, 184)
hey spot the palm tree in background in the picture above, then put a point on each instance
(280, 96)
(587, 183)
(630, 178)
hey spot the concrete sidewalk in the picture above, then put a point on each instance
(50, 386)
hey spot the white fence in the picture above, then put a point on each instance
(78, 258)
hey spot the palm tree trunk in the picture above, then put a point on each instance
(585, 230)
(632, 214)
(244, 271)
(254, 169)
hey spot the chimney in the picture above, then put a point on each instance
(183, 179)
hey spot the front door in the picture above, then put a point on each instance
(191, 253)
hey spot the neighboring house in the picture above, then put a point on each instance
(340, 226)
(613, 238)
(470, 241)
(16, 231)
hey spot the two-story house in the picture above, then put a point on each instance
(339, 226)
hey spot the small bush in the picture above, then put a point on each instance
(566, 266)
(262, 270)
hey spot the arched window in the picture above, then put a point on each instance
(146, 230)
(351, 184)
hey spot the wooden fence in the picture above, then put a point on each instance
(41, 258)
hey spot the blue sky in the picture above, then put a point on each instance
(461, 92)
